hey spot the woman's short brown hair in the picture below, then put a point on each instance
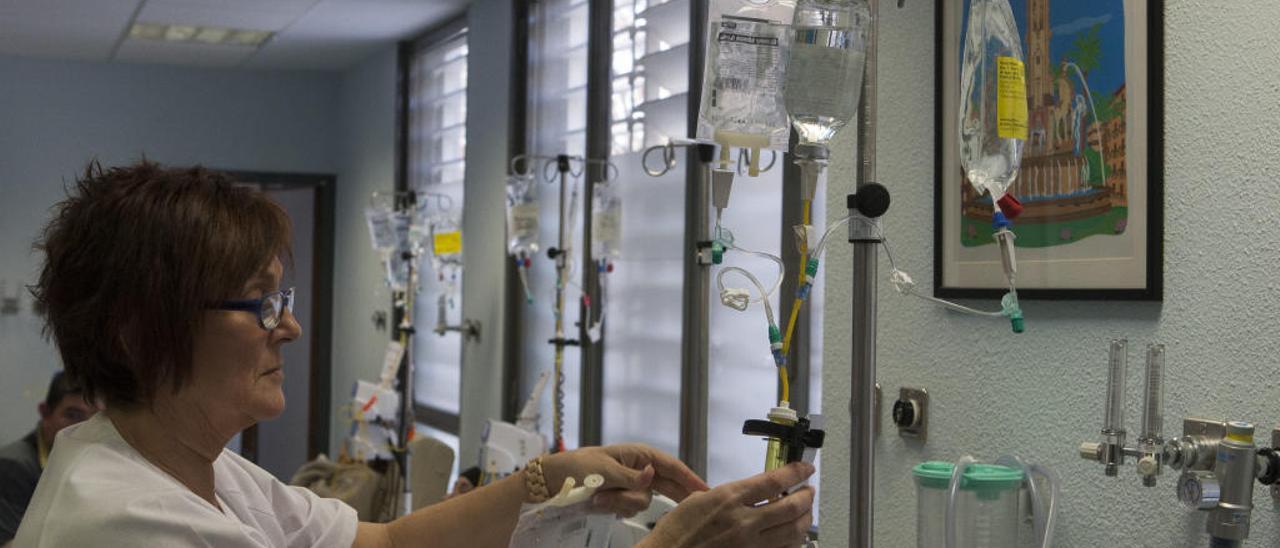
(133, 257)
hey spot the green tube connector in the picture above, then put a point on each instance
(1011, 310)
(717, 252)
(811, 267)
(775, 335)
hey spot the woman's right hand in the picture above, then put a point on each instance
(729, 516)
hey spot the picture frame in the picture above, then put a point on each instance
(1093, 221)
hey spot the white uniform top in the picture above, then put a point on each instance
(99, 491)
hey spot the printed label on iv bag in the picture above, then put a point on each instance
(522, 220)
(747, 65)
(1011, 98)
(745, 76)
(447, 243)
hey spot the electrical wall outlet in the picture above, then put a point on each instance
(911, 413)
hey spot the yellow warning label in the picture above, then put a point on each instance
(1011, 100)
(447, 243)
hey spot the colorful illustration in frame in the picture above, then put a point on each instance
(1090, 175)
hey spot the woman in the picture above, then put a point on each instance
(162, 289)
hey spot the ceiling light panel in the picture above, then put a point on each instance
(264, 15)
(161, 32)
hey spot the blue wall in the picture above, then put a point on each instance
(55, 116)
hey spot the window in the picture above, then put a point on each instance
(558, 125)
(436, 166)
(643, 320)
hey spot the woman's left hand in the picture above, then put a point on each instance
(632, 472)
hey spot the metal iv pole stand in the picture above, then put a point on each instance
(865, 207)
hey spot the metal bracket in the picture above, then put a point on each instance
(1204, 427)
(875, 422)
(918, 400)
(470, 329)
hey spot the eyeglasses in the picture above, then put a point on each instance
(270, 308)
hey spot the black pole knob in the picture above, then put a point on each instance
(562, 163)
(871, 200)
(706, 152)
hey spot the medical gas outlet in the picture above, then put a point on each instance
(1218, 461)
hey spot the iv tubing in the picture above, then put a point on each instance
(953, 490)
(1044, 519)
(783, 381)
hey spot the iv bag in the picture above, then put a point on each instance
(993, 98)
(745, 70)
(398, 257)
(446, 245)
(824, 73)
(606, 222)
(381, 232)
(522, 215)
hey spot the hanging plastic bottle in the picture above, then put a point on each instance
(993, 123)
(825, 71)
(522, 225)
(606, 223)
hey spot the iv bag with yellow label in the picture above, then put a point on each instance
(446, 245)
(993, 98)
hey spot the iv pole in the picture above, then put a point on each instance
(562, 166)
(865, 206)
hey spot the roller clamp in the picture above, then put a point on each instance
(797, 437)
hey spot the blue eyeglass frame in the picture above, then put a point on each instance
(255, 306)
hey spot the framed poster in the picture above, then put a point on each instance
(1091, 180)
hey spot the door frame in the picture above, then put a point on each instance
(321, 367)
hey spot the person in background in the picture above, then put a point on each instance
(467, 480)
(22, 461)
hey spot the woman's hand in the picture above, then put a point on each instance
(728, 515)
(631, 473)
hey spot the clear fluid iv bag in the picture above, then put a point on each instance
(824, 73)
(522, 215)
(993, 98)
(606, 222)
(745, 70)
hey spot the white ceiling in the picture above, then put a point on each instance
(310, 34)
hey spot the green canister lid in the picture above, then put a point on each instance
(986, 479)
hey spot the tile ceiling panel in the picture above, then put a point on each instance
(69, 9)
(311, 34)
(63, 29)
(298, 6)
(178, 53)
(372, 19)
(337, 34)
(312, 54)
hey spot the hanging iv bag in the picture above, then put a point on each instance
(745, 70)
(993, 99)
(825, 70)
(522, 216)
(446, 246)
(606, 222)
